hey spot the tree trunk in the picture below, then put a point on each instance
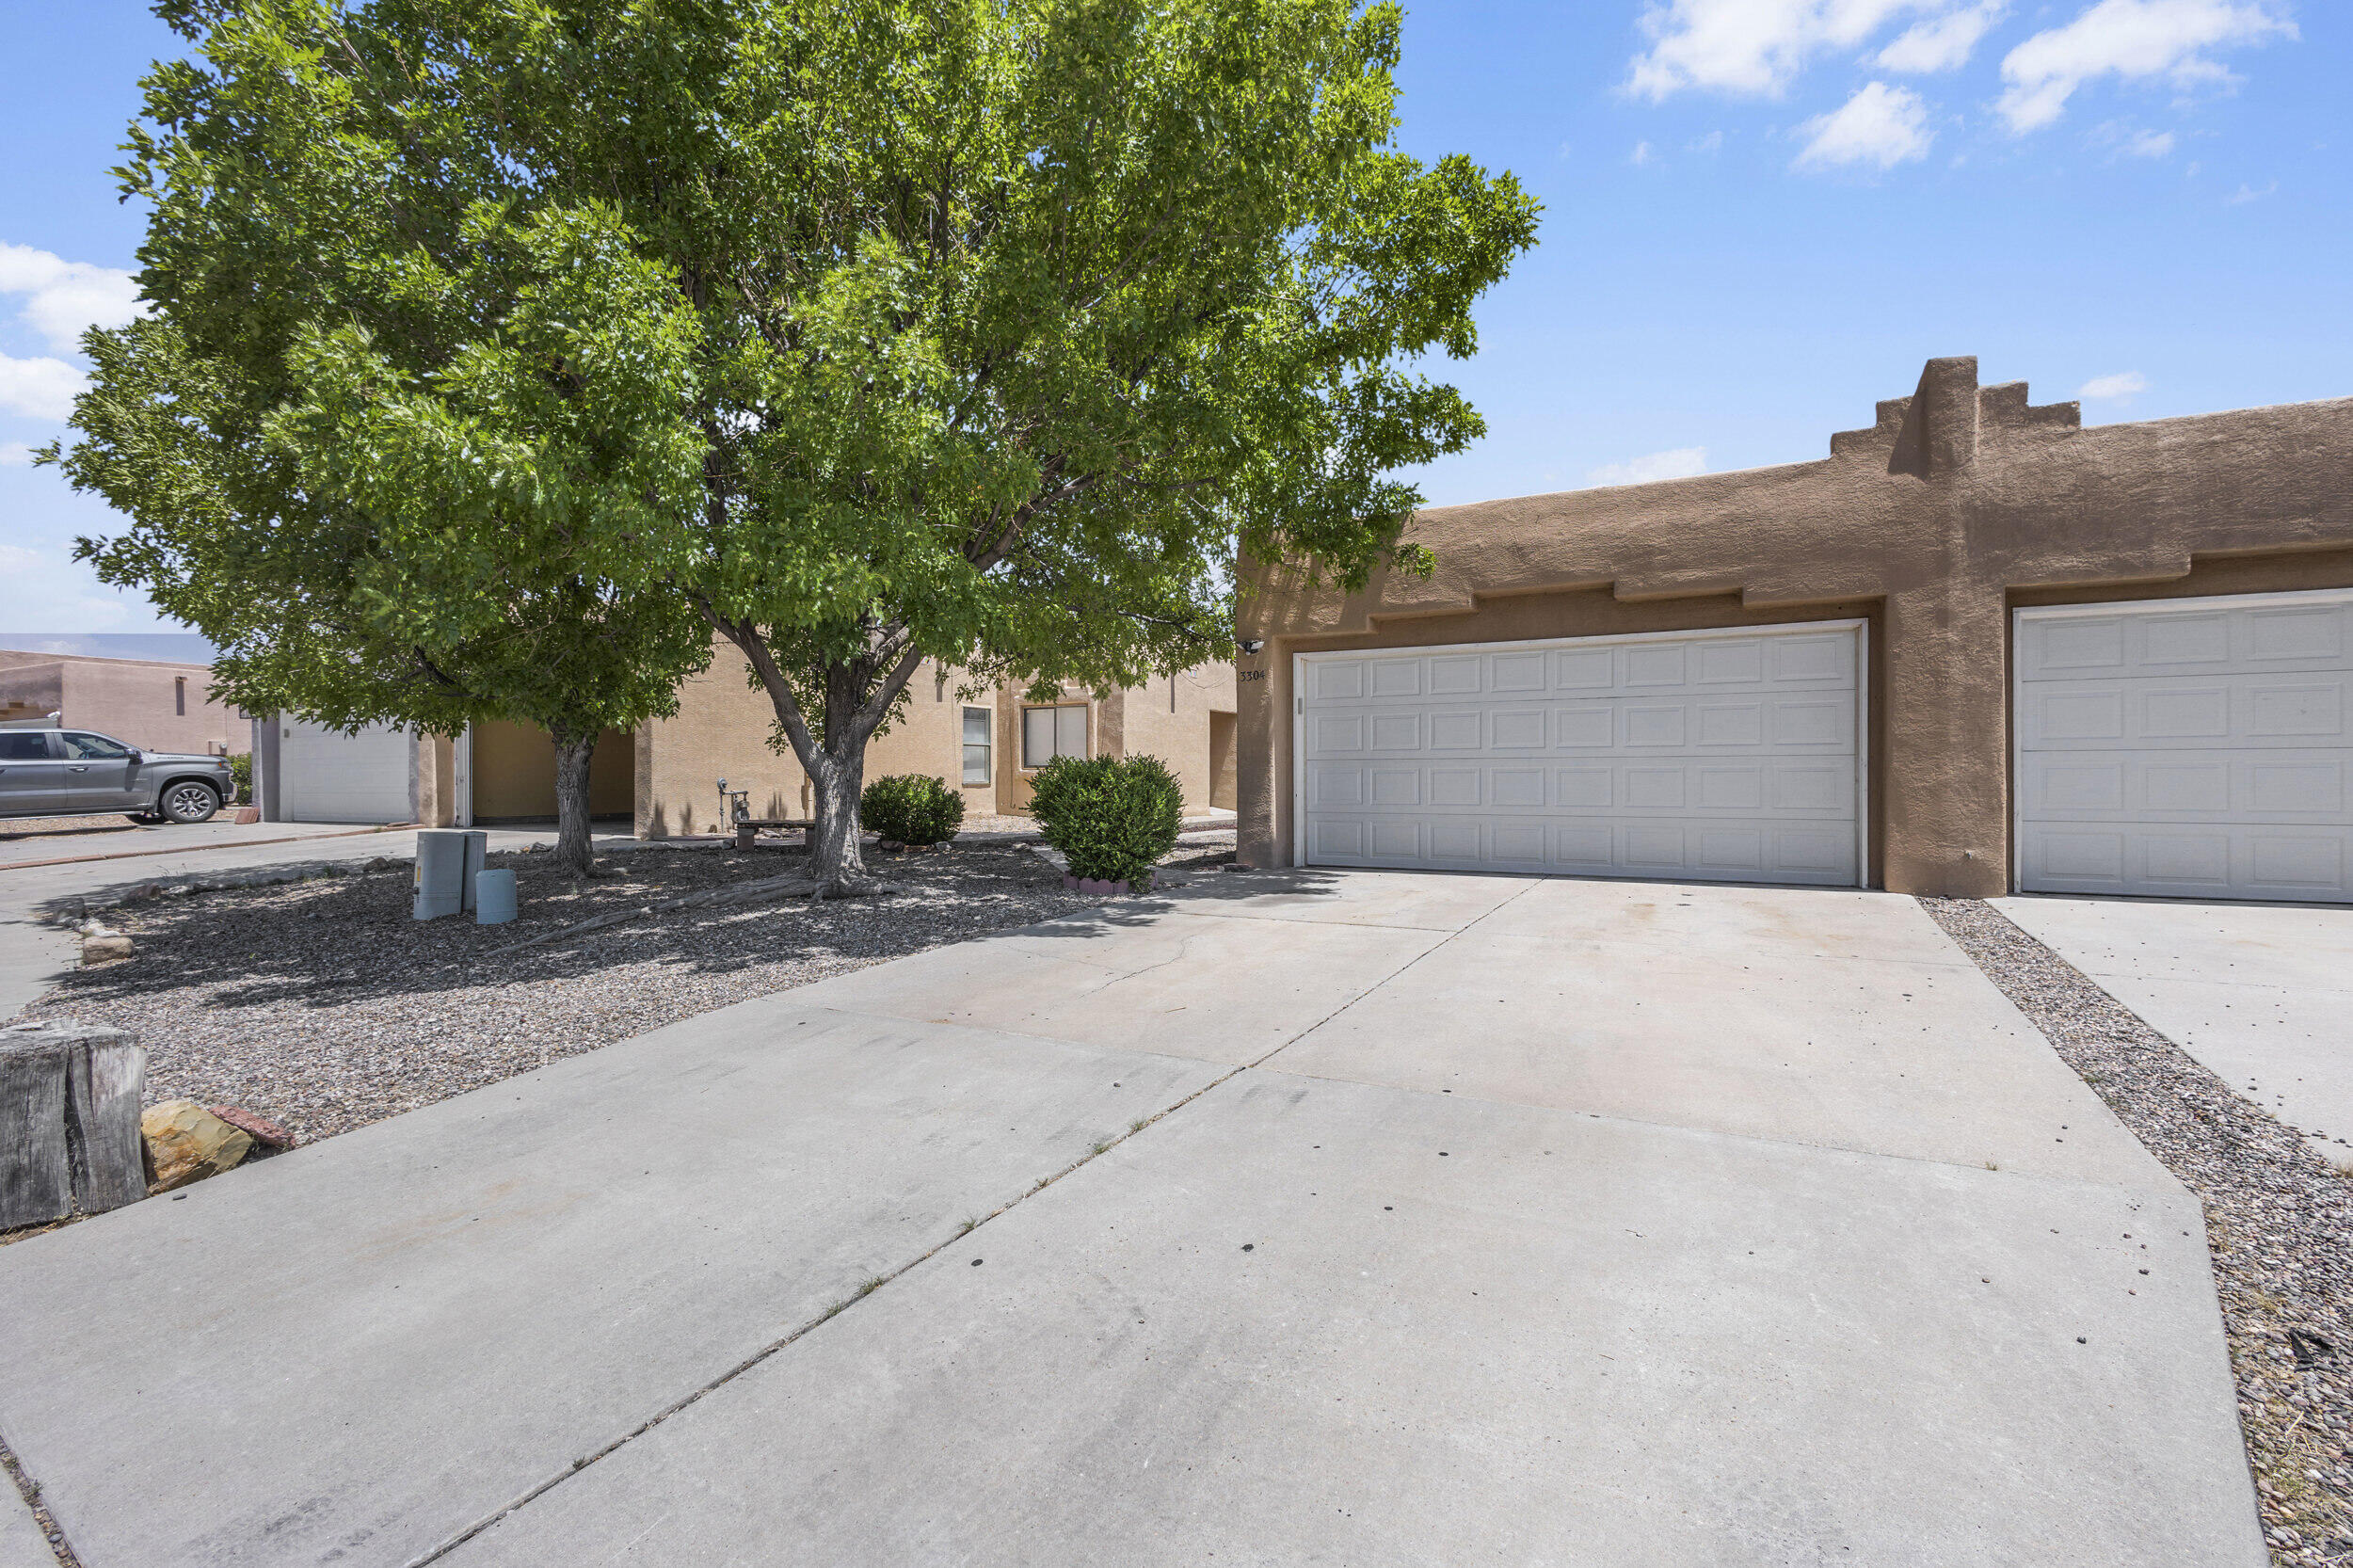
(857, 692)
(575, 851)
(837, 852)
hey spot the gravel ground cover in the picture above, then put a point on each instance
(322, 1006)
(2278, 1220)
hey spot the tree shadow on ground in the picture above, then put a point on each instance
(347, 938)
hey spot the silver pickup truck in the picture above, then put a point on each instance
(74, 772)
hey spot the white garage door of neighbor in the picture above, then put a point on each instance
(1730, 756)
(326, 776)
(2186, 748)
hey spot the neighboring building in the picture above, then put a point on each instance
(154, 704)
(989, 744)
(1978, 648)
(666, 776)
(495, 772)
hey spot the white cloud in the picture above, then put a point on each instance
(1640, 156)
(63, 299)
(1759, 47)
(1709, 145)
(2244, 194)
(39, 389)
(2133, 40)
(1941, 42)
(2132, 143)
(1681, 462)
(1880, 125)
(15, 455)
(2108, 389)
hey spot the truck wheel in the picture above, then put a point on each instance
(189, 801)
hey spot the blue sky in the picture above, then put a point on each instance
(1761, 215)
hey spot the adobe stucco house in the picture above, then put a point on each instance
(666, 776)
(1977, 648)
(158, 704)
(989, 744)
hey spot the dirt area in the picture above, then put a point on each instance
(322, 1006)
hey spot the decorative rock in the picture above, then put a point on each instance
(69, 1120)
(109, 948)
(187, 1143)
(265, 1132)
(248, 815)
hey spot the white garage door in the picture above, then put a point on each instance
(326, 776)
(2186, 748)
(1731, 756)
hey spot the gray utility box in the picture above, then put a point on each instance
(448, 859)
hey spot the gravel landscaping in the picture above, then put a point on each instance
(322, 1006)
(2278, 1222)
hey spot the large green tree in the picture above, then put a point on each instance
(983, 330)
(363, 560)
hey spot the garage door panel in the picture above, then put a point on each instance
(326, 775)
(2233, 862)
(1731, 757)
(2133, 640)
(2275, 786)
(2224, 711)
(2190, 748)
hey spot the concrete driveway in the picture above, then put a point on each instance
(1363, 1218)
(2260, 993)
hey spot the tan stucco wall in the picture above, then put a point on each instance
(723, 723)
(1169, 718)
(514, 772)
(1957, 501)
(138, 700)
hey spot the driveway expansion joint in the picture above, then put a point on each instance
(439, 1552)
(53, 1534)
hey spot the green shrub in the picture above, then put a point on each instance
(1111, 817)
(241, 774)
(912, 808)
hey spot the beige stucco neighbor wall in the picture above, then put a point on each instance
(722, 726)
(1960, 500)
(150, 703)
(1169, 718)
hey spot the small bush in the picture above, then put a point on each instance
(1111, 817)
(912, 808)
(241, 774)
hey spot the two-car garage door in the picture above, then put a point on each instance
(1731, 756)
(2187, 748)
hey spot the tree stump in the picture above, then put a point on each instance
(68, 1121)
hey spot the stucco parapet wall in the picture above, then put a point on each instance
(2018, 496)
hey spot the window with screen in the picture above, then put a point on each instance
(1050, 733)
(978, 768)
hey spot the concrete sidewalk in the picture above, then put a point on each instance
(1468, 1218)
(2262, 994)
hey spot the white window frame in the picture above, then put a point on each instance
(1057, 708)
(987, 745)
